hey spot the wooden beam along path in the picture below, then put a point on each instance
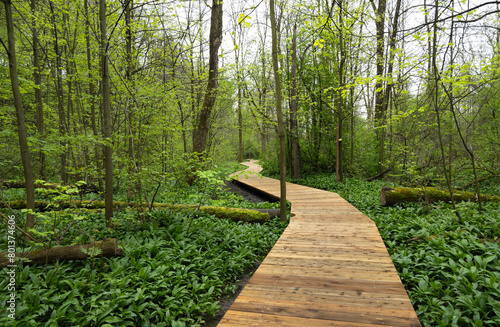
(330, 267)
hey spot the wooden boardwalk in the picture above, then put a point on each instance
(329, 268)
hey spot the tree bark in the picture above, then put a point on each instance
(18, 104)
(108, 247)
(339, 99)
(281, 127)
(240, 125)
(204, 120)
(435, 104)
(379, 175)
(92, 94)
(106, 105)
(379, 94)
(60, 95)
(297, 165)
(391, 196)
(38, 91)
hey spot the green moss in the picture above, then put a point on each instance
(234, 214)
(245, 215)
(405, 194)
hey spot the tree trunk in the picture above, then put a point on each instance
(379, 175)
(38, 91)
(240, 121)
(23, 140)
(60, 94)
(109, 248)
(391, 196)
(339, 99)
(106, 105)
(281, 127)
(297, 165)
(379, 94)
(92, 94)
(131, 162)
(201, 133)
(435, 103)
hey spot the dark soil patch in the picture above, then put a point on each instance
(227, 300)
(247, 193)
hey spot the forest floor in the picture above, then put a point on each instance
(227, 301)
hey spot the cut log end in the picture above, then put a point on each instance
(108, 248)
(383, 197)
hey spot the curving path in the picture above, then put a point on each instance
(329, 268)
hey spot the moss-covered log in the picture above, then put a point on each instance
(235, 214)
(108, 248)
(391, 196)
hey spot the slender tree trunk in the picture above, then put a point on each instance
(379, 95)
(106, 109)
(204, 120)
(240, 124)
(60, 94)
(281, 127)
(389, 75)
(69, 82)
(240, 85)
(297, 166)
(131, 163)
(93, 117)
(23, 140)
(435, 99)
(38, 90)
(339, 100)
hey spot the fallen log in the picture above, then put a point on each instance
(391, 196)
(379, 175)
(235, 214)
(108, 248)
(485, 178)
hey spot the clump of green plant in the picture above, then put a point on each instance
(170, 274)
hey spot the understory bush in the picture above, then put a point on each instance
(451, 270)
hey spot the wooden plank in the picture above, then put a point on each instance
(239, 319)
(329, 268)
(374, 315)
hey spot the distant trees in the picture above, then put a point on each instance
(112, 91)
(365, 85)
(18, 104)
(382, 84)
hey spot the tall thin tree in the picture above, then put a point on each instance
(297, 166)
(281, 127)
(106, 109)
(38, 90)
(18, 104)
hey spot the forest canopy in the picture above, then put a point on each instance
(367, 85)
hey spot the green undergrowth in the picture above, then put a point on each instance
(175, 267)
(173, 271)
(450, 270)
